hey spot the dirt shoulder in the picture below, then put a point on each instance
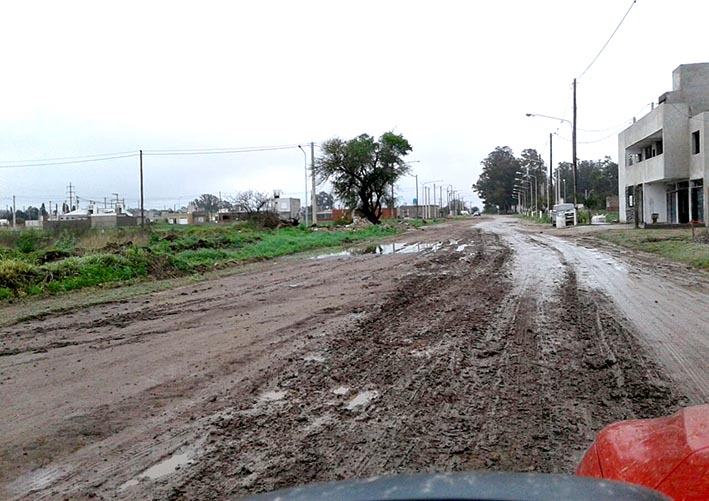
(441, 356)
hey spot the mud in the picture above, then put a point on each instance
(459, 357)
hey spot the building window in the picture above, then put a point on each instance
(697, 201)
(695, 142)
(658, 147)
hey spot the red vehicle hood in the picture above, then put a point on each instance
(668, 454)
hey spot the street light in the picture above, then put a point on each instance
(417, 185)
(305, 200)
(521, 195)
(535, 196)
(573, 139)
(518, 195)
(428, 207)
(531, 193)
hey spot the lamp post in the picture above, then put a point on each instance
(434, 193)
(517, 195)
(305, 198)
(520, 198)
(531, 193)
(573, 140)
(416, 203)
(535, 196)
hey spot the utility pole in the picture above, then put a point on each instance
(71, 197)
(551, 175)
(393, 203)
(573, 145)
(417, 195)
(14, 215)
(313, 195)
(305, 195)
(433, 215)
(142, 208)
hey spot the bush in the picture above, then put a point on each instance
(50, 255)
(16, 274)
(28, 241)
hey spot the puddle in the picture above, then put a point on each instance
(362, 398)
(421, 353)
(341, 390)
(272, 396)
(384, 249)
(318, 423)
(344, 253)
(38, 479)
(163, 468)
(314, 357)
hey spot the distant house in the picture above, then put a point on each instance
(94, 216)
(386, 213)
(286, 208)
(172, 217)
(663, 165)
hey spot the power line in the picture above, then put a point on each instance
(68, 162)
(607, 41)
(217, 151)
(96, 156)
(616, 132)
(14, 164)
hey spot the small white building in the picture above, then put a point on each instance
(662, 162)
(286, 208)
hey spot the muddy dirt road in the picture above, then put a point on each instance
(460, 347)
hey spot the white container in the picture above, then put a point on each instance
(561, 220)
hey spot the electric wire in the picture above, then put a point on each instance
(607, 41)
(68, 162)
(44, 162)
(685, 115)
(80, 157)
(214, 151)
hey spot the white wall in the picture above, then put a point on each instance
(698, 162)
(655, 200)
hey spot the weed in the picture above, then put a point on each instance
(46, 263)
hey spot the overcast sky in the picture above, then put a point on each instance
(454, 77)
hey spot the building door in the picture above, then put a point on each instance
(683, 203)
(672, 207)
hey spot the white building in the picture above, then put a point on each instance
(286, 208)
(662, 161)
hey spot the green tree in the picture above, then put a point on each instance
(362, 170)
(32, 213)
(496, 183)
(208, 202)
(595, 180)
(324, 200)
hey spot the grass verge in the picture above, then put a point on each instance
(674, 244)
(35, 263)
